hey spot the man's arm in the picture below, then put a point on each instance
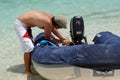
(62, 39)
(48, 29)
(57, 33)
(47, 32)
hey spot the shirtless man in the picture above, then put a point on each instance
(42, 20)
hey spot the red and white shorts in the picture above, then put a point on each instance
(25, 35)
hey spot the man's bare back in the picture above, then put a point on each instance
(36, 18)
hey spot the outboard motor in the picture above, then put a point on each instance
(77, 30)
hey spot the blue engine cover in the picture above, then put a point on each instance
(106, 38)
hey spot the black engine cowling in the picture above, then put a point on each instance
(77, 30)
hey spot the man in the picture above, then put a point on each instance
(42, 20)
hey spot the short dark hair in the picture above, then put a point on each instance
(53, 21)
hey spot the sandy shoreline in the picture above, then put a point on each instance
(12, 66)
(16, 72)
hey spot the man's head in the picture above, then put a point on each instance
(59, 21)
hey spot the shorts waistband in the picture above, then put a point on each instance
(18, 21)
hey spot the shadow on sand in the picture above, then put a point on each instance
(21, 69)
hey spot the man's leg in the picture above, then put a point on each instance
(27, 60)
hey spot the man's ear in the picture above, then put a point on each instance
(53, 21)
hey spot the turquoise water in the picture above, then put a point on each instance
(98, 15)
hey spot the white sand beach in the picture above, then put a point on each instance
(12, 67)
(16, 72)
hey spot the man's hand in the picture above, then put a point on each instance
(66, 42)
